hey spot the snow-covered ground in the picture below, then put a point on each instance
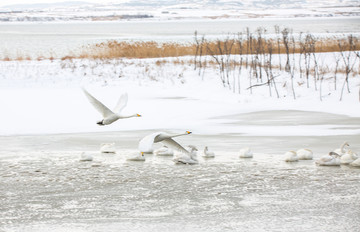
(46, 97)
(46, 122)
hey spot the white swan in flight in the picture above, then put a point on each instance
(245, 153)
(187, 158)
(291, 156)
(304, 154)
(208, 153)
(146, 143)
(331, 159)
(164, 151)
(110, 116)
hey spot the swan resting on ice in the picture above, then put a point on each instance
(146, 143)
(340, 151)
(164, 151)
(107, 148)
(138, 156)
(187, 158)
(304, 154)
(245, 153)
(86, 157)
(331, 159)
(108, 115)
(208, 153)
(355, 163)
(291, 156)
(348, 157)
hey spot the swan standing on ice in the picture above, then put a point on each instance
(208, 153)
(331, 159)
(304, 154)
(164, 151)
(291, 156)
(245, 153)
(86, 157)
(138, 156)
(190, 157)
(146, 143)
(340, 151)
(107, 148)
(110, 116)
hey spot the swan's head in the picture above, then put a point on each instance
(188, 132)
(346, 144)
(101, 123)
(137, 115)
(142, 153)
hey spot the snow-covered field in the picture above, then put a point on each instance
(47, 122)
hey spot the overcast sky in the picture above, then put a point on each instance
(11, 2)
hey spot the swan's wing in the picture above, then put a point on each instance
(121, 103)
(146, 143)
(104, 111)
(173, 144)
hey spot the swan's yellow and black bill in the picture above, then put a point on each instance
(188, 132)
(142, 153)
(138, 115)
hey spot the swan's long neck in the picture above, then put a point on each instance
(129, 116)
(342, 147)
(177, 135)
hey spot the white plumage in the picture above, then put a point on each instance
(208, 153)
(304, 154)
(146, 143)
(164, 151)
(107, 148)
(187, 158)
(245, 152)
(138, 156)
(86, 157)
(291, 156)
(108, 115)
(331, 159)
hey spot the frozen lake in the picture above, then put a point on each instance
(58, 39)
(45, 187)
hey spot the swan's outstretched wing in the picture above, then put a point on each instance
(146, 143)
(121, 103)
(173, 144)
(104, 111)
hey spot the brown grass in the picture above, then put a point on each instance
(115, 49)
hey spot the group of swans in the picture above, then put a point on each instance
(189, 156)
(334, 158)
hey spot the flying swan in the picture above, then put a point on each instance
(146, 143)
(110, 116)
